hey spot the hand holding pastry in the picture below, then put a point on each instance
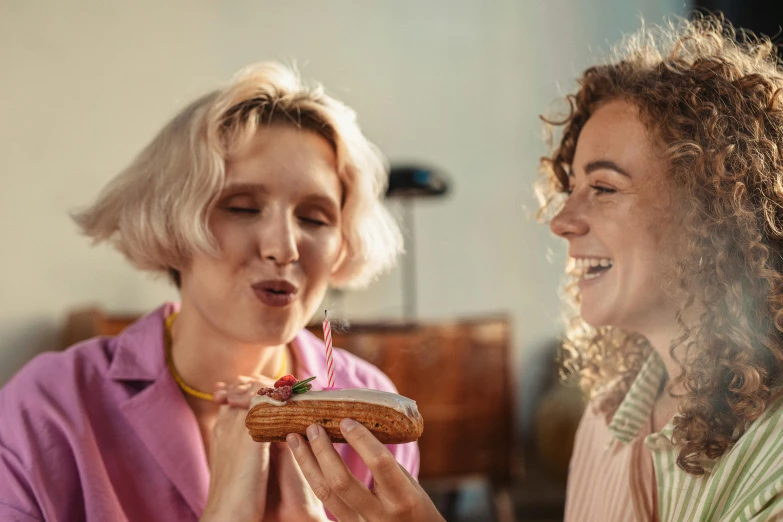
(239, 392)
(239, 467)
(239, 470)
(396, 495)
(285, 493)
(289, 496)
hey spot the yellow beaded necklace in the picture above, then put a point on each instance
(193, 392)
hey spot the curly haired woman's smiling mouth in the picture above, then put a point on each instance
(587, 268)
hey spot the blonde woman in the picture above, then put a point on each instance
(254, 199)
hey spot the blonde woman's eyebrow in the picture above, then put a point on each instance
(237, 188)
(326, 203)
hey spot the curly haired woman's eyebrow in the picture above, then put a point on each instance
(605, 165)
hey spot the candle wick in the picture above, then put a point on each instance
(325, 315)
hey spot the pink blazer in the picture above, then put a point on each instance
(102, 432)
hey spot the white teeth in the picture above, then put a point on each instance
(578, 266)
(587, 262)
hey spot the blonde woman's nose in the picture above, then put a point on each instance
(278, 240)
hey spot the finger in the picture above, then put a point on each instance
(243, 387)
(338, 476)
(220, 394)
(386, 472)
(263, 380)
(240, 394)
(229, 417)
(220, 397)
(257, 380)
(240, 399)
(241, 402)
(293, 486)
(312, 473)
(243, 383)
(240, 379)
(409, 476)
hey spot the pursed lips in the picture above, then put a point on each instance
(275, 292)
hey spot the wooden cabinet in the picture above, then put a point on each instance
(458, 373)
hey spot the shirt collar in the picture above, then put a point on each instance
(140, 354)
(637, 405)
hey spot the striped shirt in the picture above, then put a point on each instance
(624, 472)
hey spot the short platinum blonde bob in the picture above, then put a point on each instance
(156, 211)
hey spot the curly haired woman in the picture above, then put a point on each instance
(667, 184)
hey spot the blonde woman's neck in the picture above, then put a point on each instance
(204, 357)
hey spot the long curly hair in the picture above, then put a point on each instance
(712, 98)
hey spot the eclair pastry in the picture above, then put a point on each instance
(392, 418)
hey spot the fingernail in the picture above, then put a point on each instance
(220, 385)
(312, 432)
(347, 425)
(292, 440)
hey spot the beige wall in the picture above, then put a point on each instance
(457, 84)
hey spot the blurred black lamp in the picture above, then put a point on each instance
(407, 182)
(413, 182)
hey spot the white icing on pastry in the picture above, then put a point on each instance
(398, 403)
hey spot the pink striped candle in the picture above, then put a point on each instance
(328, 342)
